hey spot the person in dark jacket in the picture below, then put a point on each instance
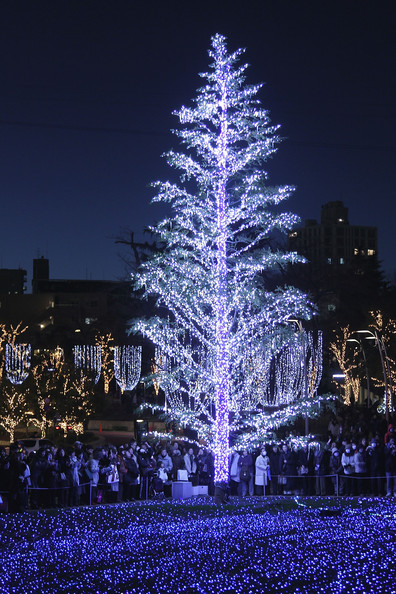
(361, 469)
(245, 464)
(177, 462)
(37, 471)
(51, 480)
(375, 464)
(6, 478)
(390, 467)
(283, 478)
(320, 470)
(303, 470)
(389, 434)
(336, 471)
(274, 457)
(147, 466)
(131, 478)
(291, 466)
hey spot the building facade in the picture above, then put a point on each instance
(334, 242)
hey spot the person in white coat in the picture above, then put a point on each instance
(261, 475)
(190, 464)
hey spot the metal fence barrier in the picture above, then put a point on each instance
(341, 482)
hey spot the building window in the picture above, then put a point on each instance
(89, 321)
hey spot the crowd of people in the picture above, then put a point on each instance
(359, 462)
(68, 476)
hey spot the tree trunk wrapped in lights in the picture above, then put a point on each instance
(105, 342)
(382, 331)
(210, 273)
(74, 400)
(347, 364)
(13, 409)
(47, 374)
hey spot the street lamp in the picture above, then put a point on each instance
(385, 367)
(337, 377)
(365, 364)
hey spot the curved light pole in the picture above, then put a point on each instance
(337, 377)
(360, 343)
(385, 367)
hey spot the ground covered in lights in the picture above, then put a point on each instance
(256, 545)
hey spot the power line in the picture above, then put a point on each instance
(141, 132)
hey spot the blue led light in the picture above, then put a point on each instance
(254, 545)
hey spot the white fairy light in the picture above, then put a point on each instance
(17, 362)
(127, 366)
(210, 271)
(88, 359)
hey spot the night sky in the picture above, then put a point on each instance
(87, 90)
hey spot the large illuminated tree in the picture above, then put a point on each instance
(217, 313)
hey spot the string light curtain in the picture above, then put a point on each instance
(127, 366)
(88, 359)
(17, 362)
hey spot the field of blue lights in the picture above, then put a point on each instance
(248, 546)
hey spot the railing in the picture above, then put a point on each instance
(339, 482)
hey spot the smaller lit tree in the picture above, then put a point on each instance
(46, 372)
(74, 401)
(383, 332)
(8, 336)
(347, 363)
(13, 408)
(106, 343)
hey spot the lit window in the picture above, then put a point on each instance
(328, 260)
(89, 321)
(370, 252)
(341, 260)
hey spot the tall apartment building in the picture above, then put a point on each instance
(334, 242)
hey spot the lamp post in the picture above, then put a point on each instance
(337, 377)
(385, 367)
(360, 343)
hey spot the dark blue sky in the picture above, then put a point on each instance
(87, 91)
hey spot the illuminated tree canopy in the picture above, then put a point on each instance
(211, 277)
